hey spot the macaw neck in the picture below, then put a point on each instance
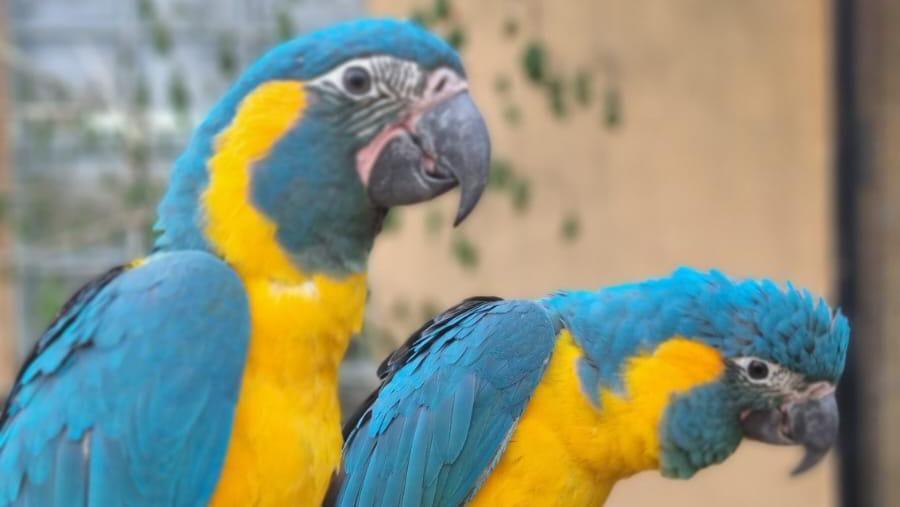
(263, 194)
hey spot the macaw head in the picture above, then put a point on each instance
(783, 352)
(319, 138)
(701, 361)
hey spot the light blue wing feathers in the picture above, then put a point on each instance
(129, 396)
(449, 400)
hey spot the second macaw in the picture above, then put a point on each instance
(551, 402)
(206, 373)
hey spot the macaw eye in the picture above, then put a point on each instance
(357, 80)
(757, 370)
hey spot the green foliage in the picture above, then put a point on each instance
(392, 221)
(285, 25)
(141, 92)
(226, 54)
(434, 221)
(137, 194)
(457, 37)
(400, 309)
(534, 62)
(502, 84)
(179, 96)
(146, 9)
(428, 310)
(512, 115)
(4, 206)
(521, 195)
(421, 17)
(465, 252)
(612, 108)
(584, 92)
(510, 27)
(51, 295)
(556, 96)
(570, 229)
(501, 174)
(161, 37)
(441, 10)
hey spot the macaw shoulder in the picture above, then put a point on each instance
(623, 436)
(162, 341)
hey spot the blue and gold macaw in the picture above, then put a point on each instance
(206, 372)
(551, 402)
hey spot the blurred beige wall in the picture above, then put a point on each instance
(722, 160)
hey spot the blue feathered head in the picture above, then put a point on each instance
(322, 135)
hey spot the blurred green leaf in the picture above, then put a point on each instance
(502, 84)
(571, 227)
(179, 95)
(136, 195)
(510, 27)
(285, 28)
(434, 221)
(428, 310)
(421, 17)
(4, 206)
(465, 252)
(146, 9)
(161, 37)
(534, 62)
(612, 108)
(391, 222)
(501, 174)
(521, 195)
(226, 54)
(141, 92)
(51, 295)
(441, 9)
(457, 37)
(556, 96)
(512, 115)
(400, 309)
(139, 156)
(584, 91)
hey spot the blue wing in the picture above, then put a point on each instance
(128, 397)
(448, 402)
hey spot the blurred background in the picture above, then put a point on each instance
(631, 137)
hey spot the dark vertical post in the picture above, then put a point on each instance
(845, 195)
(868, 192)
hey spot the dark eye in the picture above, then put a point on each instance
(357, 80)
(758, 370)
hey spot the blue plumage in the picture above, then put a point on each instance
(106, 413)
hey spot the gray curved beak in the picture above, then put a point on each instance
(812, 423)
(450, 147)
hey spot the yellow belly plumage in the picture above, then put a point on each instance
(286, 437)
(567, 452)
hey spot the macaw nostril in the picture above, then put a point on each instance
(440, 86)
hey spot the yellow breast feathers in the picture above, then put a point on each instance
(567, 452)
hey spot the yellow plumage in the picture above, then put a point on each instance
(567, 452)
(286, 436)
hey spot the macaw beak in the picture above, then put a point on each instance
(447, 146)
(811, 422)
